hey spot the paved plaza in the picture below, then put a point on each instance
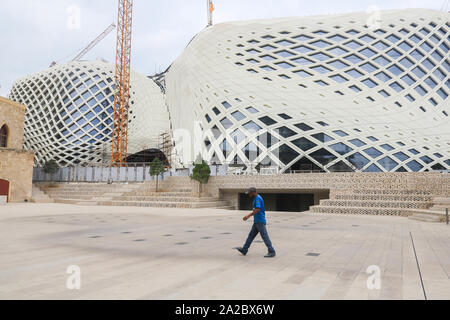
(145, 253)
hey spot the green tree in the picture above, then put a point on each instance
(201, 174)
(51, 167)
(156, 169)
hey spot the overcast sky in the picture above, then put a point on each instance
(33, 33)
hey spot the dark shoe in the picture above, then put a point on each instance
(242, 251)
(270, 255)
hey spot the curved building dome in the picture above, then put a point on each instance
(70, 112)
(327, 92)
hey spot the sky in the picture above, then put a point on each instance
(34, 33)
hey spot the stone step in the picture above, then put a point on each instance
(38, 196)
(158, 194)
(383, 192)
(374, 204)
(369, 197)
(425, 217)
(164, 199)
(198, 205)
(361, 211)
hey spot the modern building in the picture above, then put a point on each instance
(325, 92)
(70, 113)
(16, 164)
(330, 93)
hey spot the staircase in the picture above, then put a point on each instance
(434, 214)
(135, 195)
(389, 202)
(38, 196)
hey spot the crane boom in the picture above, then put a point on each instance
(210, 8)
(122, 82)
(95, 42)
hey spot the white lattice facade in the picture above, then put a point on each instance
(324, 92)
(70, 111)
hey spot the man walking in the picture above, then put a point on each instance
(259, 225)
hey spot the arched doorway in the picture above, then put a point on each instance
(4, 189)
(4, 136)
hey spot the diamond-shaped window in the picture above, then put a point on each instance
(302, 61)
(406, 62)
(418, 72)
(383, 76)
(286, 154)
(302, 38)
(267, 121)
(415, 38)
(401, 156)
(237, 136)
(426, 159)
(252, 127)
(353, 45)
(303, 127)
(416, 54)
(285, 132)
(340, 133)
(338, 51)
(304, 144)
(355, 88)
(358, 160)
(394, 54)
(303, 73)
(339, 78)
(387, 147)
(369, 83)
(321, 69)
(357, 142)
(268, 57)
(238, 115)
(323, 156)
(393, 38)
(367, 38)
(226, 123)
(382, 61)
(285, 42)
(388, 163)
(253, 51)
(338, 64)
(268, 47)
(320, 56)
(320, 44)
(354, 73)
(337, 38)
(414, 166)
(408, 80)
(267, 68)
(303, 49)
(341, 148)
(380, 45)
(368, 52)
(368, 67)
(374, 153)
(396, 86)
(353, 58)
(284, 65)
(284, 54)
(322, 137)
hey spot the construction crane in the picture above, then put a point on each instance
(122, 82)
(95, 42)
(210, 7)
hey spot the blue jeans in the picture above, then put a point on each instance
(259, 228)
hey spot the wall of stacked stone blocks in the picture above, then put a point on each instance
(16, 165)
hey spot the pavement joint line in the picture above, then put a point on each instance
(418, 267)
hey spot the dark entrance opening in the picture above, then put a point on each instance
(147, 156)
(285, 202)
(4, 189)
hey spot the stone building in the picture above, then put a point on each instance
(16, 164)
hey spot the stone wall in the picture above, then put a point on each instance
(16, 165)
(13, 115)
(436, 183)
(17, 168)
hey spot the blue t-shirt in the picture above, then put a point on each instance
(258, 203)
